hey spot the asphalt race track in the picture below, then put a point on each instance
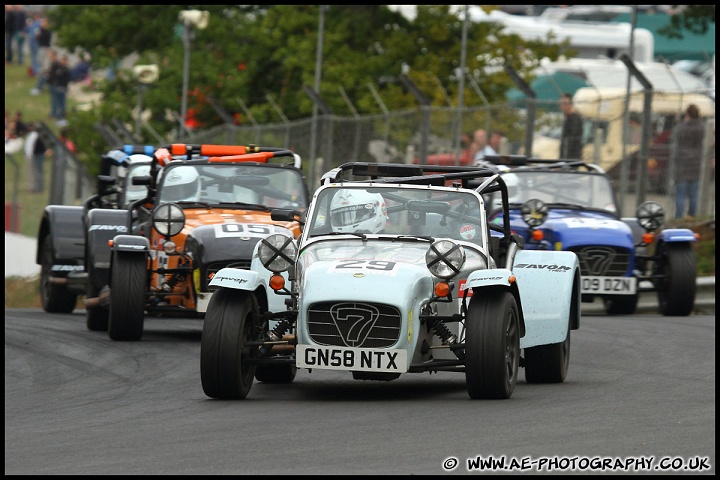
(640, 389)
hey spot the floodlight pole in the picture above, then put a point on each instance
(190, 19)
(138, 120)
(187, 34)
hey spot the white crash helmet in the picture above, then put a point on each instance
(355, 210)
(179, 184)
(129, 160)
(136, 192)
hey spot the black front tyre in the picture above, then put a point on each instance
(225, 371)
(492, 345)
(620, 304)
(127, 296)
(678, 283)
(54, 298)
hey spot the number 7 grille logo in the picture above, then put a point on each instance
(354, 321)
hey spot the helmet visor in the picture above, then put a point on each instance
(185, 191)
(351, 214)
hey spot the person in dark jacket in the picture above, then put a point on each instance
(689, 137)
(572, 131)
(20, 35)
(10, 29)
(58, 80)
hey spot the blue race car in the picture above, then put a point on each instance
(571, 206)
(396, 271)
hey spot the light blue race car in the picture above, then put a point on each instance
(397, 270)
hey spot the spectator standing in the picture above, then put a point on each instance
(30, 139)
(33, 39)
(45, 54)
(482, 149)
(689, 136)
(20, 22)
(9, 32)
(39, 154)
(572, 130)
(58, 81)
(496, 141)
(44, 76)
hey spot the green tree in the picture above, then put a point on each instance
(693, 18)
(250, 52)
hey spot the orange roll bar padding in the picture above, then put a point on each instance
(248, 157)
(208, 150)
(163, 156)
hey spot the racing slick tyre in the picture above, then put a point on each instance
(548, 363)
(492, 345)
(620, 304)
(225, 370)
(275, 373)
(678, 279)
(127, 296)
(97, 317)
(54, 298)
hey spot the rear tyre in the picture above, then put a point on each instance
(54, 298)
(548, 363)
(225, 370)
(677, 287)
(620, 304)
(127, 296)
(492, 345)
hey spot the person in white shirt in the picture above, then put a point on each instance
(30, 139)
(481, 147)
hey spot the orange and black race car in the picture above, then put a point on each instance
(206, 209)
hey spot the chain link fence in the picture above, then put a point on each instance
(428, 134)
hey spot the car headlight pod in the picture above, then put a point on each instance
(650, 215)
(534, 212)
(168, 219)
(277, 252)
(445, 258)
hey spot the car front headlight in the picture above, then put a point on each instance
(168, 219)
(445, 258)
(534, 212)
(277, 252)
(650, 215)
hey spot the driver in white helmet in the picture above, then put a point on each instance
(357, 211)
(180, 184)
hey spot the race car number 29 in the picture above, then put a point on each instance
(348, 358)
